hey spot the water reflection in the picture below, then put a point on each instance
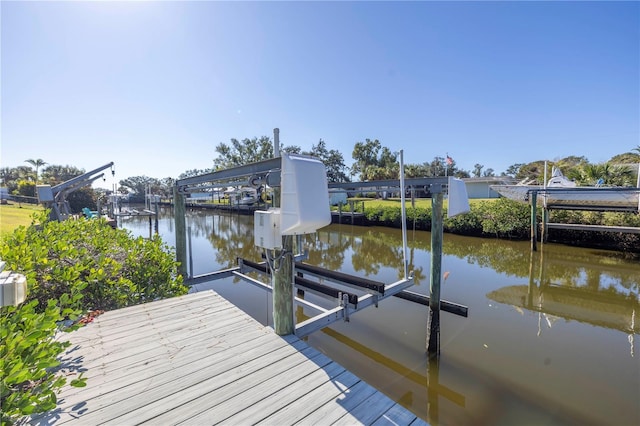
(503, 364)
(429, 378)
(565, 288)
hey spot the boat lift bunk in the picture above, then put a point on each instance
(288, 219)
(375, 291)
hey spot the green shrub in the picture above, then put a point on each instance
(501, 218)
(28, 353)
(112, 269)
(565, 216)
(504, 218)
(465, 224)
(592, 218)
(419, 216)
(621, 219)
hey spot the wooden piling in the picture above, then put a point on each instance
(534, 221)
(282, 284)
(157, 215)
(545, 228)
(181, 230)
(191, 274)
(433, 320)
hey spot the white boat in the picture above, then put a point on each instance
(562, 192)
(244, 196)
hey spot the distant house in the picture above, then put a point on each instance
(4, 194)
(481, 187)
(337, 196)
(203, 197)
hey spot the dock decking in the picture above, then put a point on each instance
(348, 217)
(197, 360)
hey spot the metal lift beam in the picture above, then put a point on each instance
(303, 283)
(341, 278)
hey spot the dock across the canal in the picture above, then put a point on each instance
(198, 359)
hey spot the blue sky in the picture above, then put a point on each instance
(155, 86)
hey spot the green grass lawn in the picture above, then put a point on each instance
(419, 202)
(13, 215)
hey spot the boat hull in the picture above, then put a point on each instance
(578, 197)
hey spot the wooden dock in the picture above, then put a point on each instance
(232, 208)
(197, 360)
(348, 218)
(353, 215)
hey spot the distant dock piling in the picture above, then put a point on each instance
(534, 220)
(181, 230)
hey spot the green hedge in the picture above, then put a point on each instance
(501, 218)
(504, 218)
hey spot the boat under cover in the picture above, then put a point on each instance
(562, 192)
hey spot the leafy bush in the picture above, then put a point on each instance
(28, 352)
(111, 268)
(502, 218)
(621, 219)
(565, 216)
(465, 224)
(505, 218)
(420, 216)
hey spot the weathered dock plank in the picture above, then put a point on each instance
(304, 404)
(197, 359)
(397, 415)
(349, 399)
(277, 399)
(138, 380)
(180, 407)
(368, 411)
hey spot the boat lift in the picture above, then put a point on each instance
(55, 197)
(348, 293)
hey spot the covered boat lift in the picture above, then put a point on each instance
(287, 269)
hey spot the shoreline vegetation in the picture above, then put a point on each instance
(508, 219)
(488, 218)
(494, 218)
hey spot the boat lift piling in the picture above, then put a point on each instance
(181, 230)
(282, 284)
(433, 320)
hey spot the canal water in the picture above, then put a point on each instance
(551, 336)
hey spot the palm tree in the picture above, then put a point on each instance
(37, 164)
(636, 149)
(611, 175)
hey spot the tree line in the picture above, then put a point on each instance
(371, 161)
